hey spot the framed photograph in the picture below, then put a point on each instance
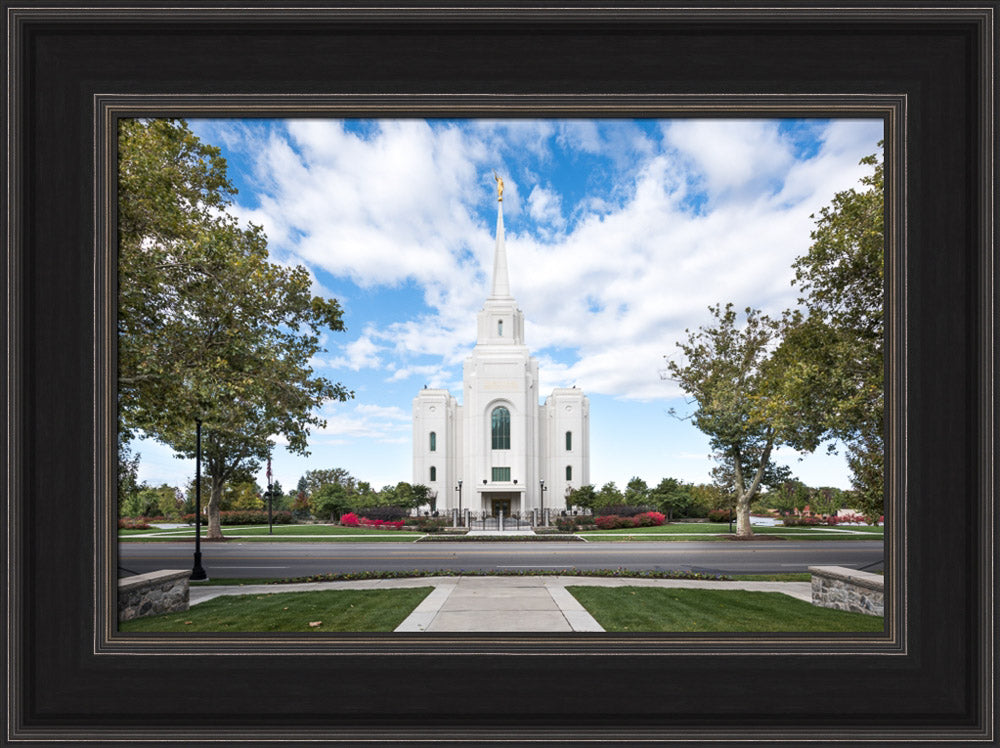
(76, 73)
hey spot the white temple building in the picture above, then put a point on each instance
(500, 450)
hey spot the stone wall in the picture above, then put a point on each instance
(847, 589)
(151, 594)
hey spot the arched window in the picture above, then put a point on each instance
(569, 472)
(500, 328)
(434, 441)
(500, 426)
(434, 473)
(569, 440)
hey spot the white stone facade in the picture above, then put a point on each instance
(500, 443)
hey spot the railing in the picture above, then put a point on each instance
(487, 521)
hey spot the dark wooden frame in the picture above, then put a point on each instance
(929, 72)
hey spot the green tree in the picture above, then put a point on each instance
(840, 342)
(331, 499)
(737, 380)
(314, 480)
(672, 497)
(584, 497)
(170, 187)
(242, 495)
(636, 492)
(210, 329)
(128, 480)
(608, 495)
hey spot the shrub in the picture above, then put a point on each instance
(430, 524)
(189, 518)
(253, 517)
(350, 520)
(622, 510)
(649, 519)
(614, 522)
(567, 524)
(133, 523)
(386, 513)
(720, 515)
(382, 524)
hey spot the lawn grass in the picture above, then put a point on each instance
(257, 533)
(716, 531)
(337, 610)
(689, 610)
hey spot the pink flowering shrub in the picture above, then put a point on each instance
(650, 519)
(382, 524)
(350, 520)
(614, 522)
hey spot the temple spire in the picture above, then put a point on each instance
(501, 283)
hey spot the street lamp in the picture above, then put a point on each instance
(197, 573)
(270, 494)
(541, 495)
(460, 523)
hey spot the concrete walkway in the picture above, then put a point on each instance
(511, 604)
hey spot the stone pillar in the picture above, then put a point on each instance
(454, 517)
(546, 519)
(500, 520)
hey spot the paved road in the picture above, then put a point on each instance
(276, 560)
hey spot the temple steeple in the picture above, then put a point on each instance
(501, 282)
(500, 321)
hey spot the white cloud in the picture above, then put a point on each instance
(364, 421)
(716, 212)
(360, 354)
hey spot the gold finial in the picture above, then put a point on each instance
(499, 181)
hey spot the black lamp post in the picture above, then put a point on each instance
(541, 495)
(459, 489)
(197, 573)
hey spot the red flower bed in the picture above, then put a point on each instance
(353, 520)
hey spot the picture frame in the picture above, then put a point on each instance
(927, 71)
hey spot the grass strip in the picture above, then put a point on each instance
(335, 610)
(354, 576)
(642, 609)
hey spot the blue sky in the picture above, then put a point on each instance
(619, 233)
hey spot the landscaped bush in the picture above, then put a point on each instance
(567, 524)
(622, 510)
(133, 523)
(649, 519)
(353, 520)
(385, 513)
(613, 522)
(189, 518)
(799, 520)
(382, 524)
(254, 517)
(430, 524)
(720, 515)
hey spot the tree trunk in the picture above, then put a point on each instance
(743, 528)
(214, 519)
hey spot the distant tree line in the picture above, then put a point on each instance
(679, 500)
(323, 495)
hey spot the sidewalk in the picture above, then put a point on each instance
(518, 604)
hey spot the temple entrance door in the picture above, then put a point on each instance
(500, 505)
